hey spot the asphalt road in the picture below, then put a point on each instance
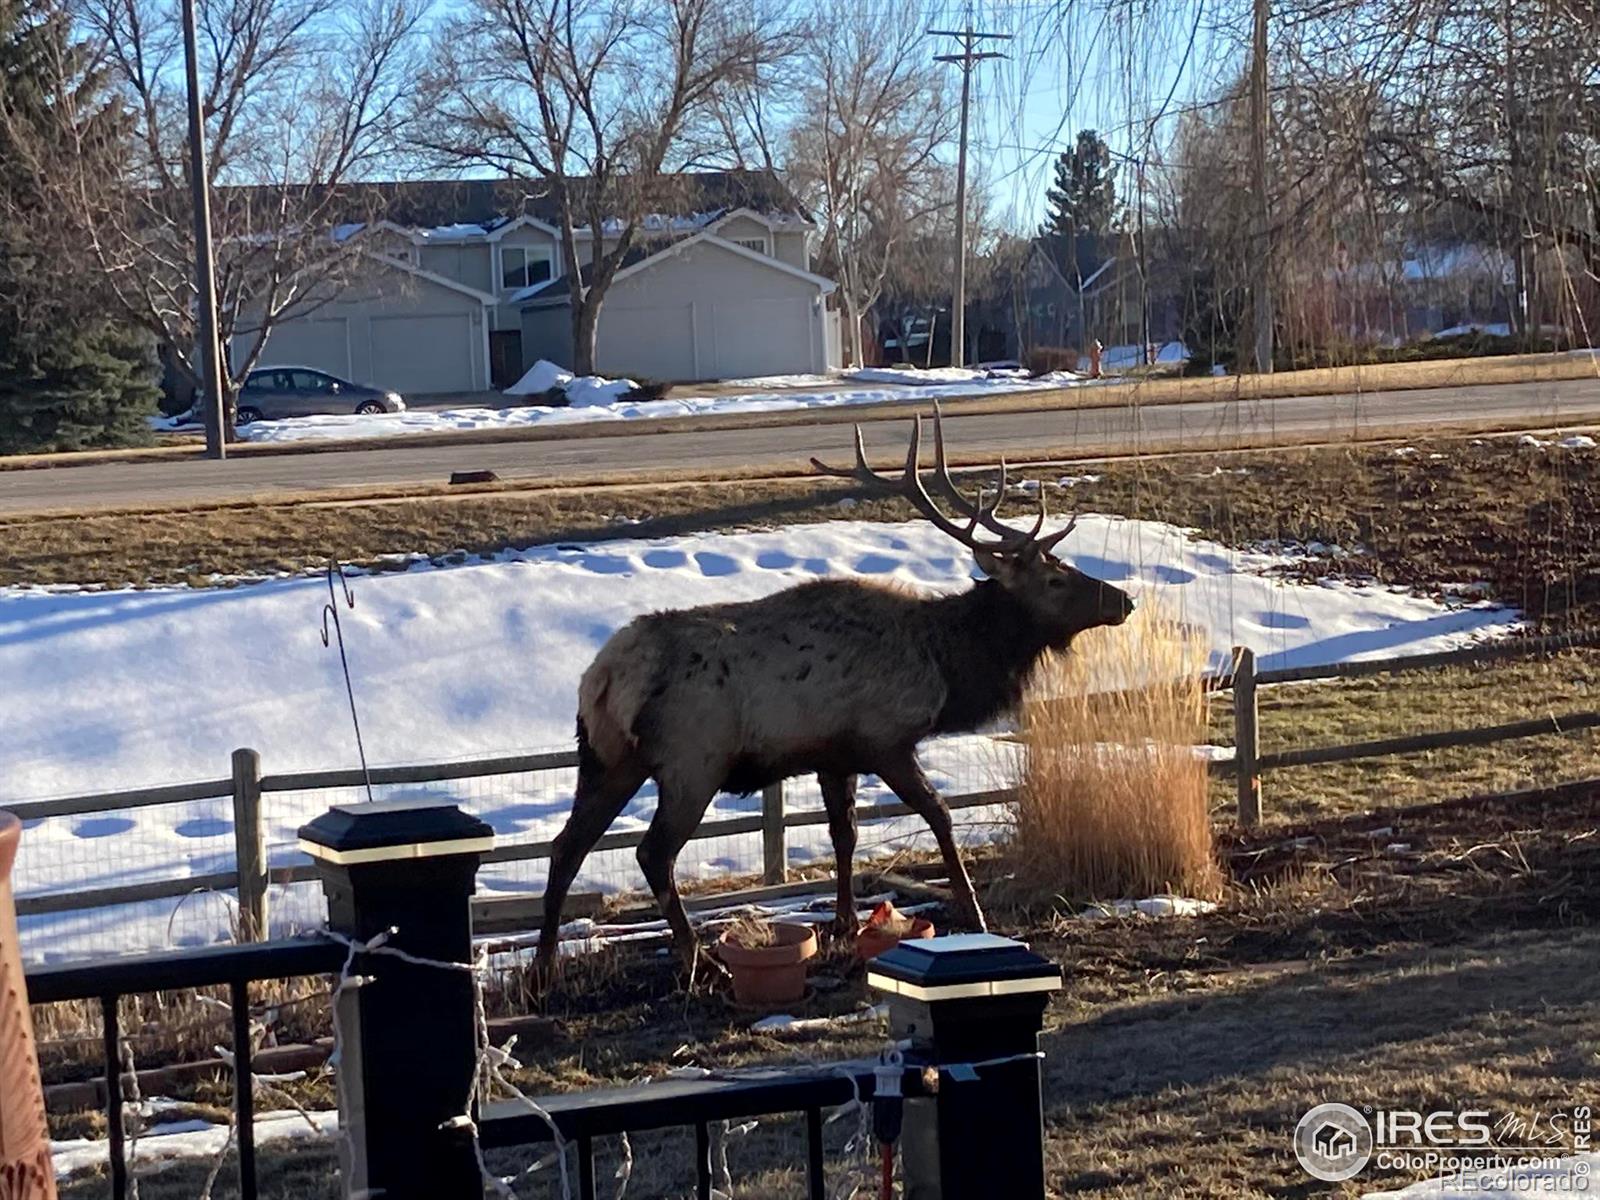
(1067, 433)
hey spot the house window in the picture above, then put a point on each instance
(759, 245)
(521, 266)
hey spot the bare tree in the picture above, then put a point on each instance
(600, 100)
(299, 100)
(863, 149)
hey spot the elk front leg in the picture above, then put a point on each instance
(839, 797)
(905, 778)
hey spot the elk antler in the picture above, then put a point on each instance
(910, 487)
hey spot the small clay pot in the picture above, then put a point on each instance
(873, 940)
(773, 974)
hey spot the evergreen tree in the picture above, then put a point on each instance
(68, 379)
(1083, 208)
(1083, 199)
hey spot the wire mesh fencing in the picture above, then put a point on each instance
(187, 851)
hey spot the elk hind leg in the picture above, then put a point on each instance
(678, 813)
(905, 778)
(839, 798)
(602, 793)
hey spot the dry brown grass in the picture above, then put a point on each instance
(1359, 710)
(1113, 797)
(750, 932)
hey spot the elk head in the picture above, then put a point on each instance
(1060, 600)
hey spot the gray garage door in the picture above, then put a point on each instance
(761, 337)
(647, 343)
(422, 353)
(320, 343)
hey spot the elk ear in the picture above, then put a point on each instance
(998, 567)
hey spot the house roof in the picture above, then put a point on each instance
(467, 208)
(557, 292)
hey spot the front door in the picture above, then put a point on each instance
(505, 357)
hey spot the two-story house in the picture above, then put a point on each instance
(461, 286)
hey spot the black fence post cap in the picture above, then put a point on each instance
(392, 830)
(964, 966)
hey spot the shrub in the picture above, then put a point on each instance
(1113, 797)
(1042, 360)
(648, 390)
(76, 389)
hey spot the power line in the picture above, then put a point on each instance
(969, 58)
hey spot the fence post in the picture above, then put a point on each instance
(774, 839)
(971, 1007)
(25, 1171)
(408, 1052)
(1246, 736)
(250, 845)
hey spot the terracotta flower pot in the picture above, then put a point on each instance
(25, 1172)
(773, 974)
(873, 940)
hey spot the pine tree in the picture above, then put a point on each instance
(1083, 199)
(1083, 207)
(68, 379)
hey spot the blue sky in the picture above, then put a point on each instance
(1106, 65)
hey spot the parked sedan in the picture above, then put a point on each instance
(273, 392)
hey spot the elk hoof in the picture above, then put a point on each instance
(706, 969)
(545, 975)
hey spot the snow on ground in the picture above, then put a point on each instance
(935, 376)
(1150, 906)
(539, 378)
(582, 391)
(598, 400)
(114, 690)
(761, 383)
(172, 1141)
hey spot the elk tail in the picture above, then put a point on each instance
(605, 734)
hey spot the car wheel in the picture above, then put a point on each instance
(249, 416)
(367, 408)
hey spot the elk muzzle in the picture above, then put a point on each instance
(1116, 606)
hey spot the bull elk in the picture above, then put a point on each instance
(836, 677)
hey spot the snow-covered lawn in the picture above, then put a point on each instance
(123, 689)
(596, 400)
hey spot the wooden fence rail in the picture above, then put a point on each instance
(246, 784)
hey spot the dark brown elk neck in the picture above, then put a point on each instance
(986, 645)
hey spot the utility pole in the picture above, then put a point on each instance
(969, 57)
(204, 272)
(1262, 242)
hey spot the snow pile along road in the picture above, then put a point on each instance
(124, 689)
(597, 399)
(580, 391)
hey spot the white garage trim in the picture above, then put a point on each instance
(523, 222)
(825, 285)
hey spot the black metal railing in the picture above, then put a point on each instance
(235, 967)
(682, 1103)
(399, 878)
